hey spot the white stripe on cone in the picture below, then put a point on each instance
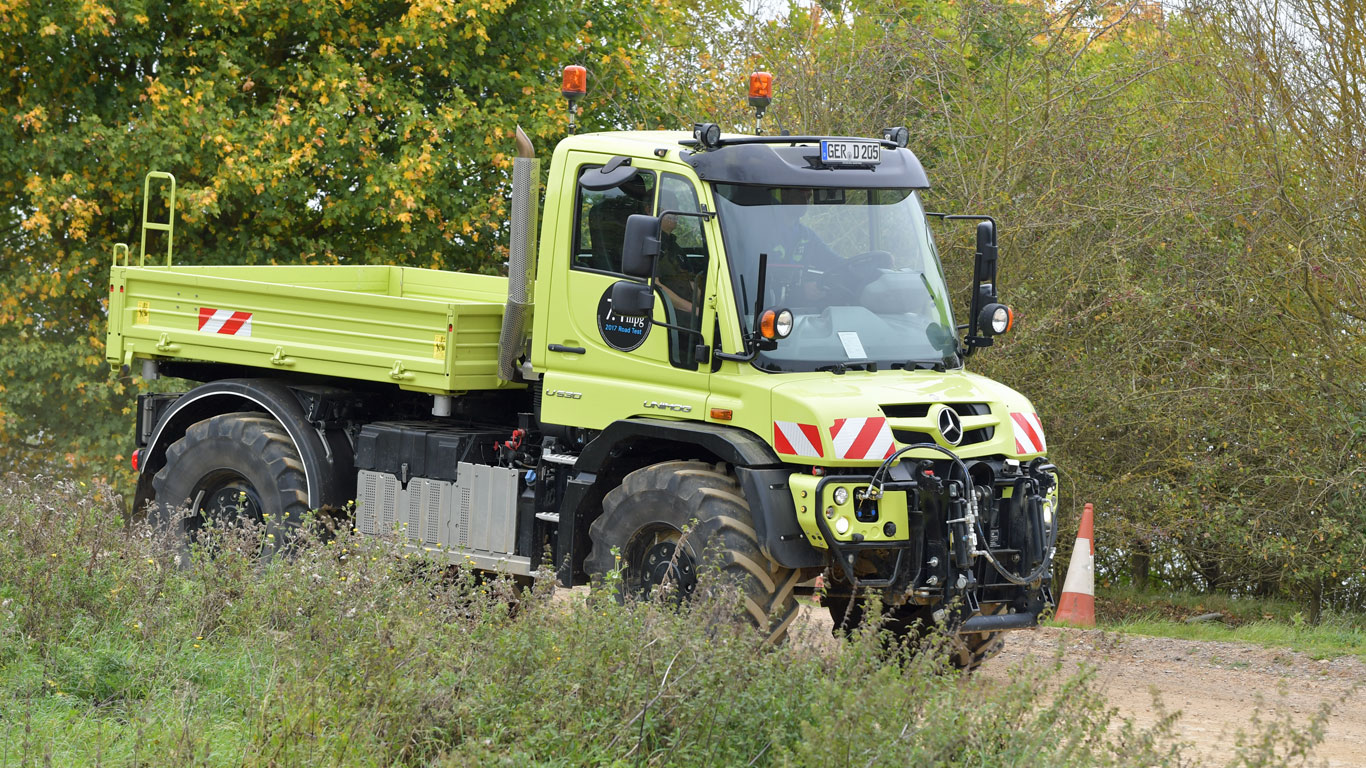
(1078, 602)
(1081, 571)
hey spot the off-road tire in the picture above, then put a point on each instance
(911, 624)
(654, 505)
(231, 455)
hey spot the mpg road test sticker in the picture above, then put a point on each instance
(623, 333)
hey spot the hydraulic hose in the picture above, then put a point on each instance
(1021, 581)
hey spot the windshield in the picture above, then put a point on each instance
(857, 268)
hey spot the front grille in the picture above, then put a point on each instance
(912, 411)
(921, 410)
(970, 437)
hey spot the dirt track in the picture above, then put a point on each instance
(1215, 686)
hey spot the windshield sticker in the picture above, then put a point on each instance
(623, 333)
(852, 346)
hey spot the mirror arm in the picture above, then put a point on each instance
(752, 348)
(704, 214)
(979, 281)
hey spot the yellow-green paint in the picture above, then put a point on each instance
(424, 330)
(436, 331)
(814, 495)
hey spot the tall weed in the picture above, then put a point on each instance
(354, 651)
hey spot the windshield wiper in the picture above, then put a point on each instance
(929, 290)
(839, 369)
(920, 365)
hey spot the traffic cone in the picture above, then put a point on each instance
(1078, 603)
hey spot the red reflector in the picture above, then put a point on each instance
(135, 459)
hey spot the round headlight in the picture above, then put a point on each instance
(1000, 320)
(782, 326)
(842, 526)
(996, 319)
(707, 134)
(841, 495)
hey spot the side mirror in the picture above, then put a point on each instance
(640, 245)
(981, 314)
(631, 299)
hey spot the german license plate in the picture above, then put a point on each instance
(841, 152)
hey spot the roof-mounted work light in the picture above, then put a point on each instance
(760, 96)
(897, 135)
(573, 86)
(707, 134)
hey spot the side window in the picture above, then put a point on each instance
(600, 222)
(682, 268)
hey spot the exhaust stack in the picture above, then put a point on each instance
(526, 180)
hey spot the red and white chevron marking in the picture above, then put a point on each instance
(224, 321)
(797, 439)
(862, 438)
(1028, 433)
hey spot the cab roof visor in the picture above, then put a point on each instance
(799, 165)
(618, 171)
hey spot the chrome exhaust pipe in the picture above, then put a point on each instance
(526, 193)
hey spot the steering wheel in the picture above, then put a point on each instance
(866, 264)
(858, 272)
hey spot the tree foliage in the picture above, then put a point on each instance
(325, 131)
(1181, 201)
(1180, 192)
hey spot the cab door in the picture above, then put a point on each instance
(601, 367)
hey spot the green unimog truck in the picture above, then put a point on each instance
(736, 350)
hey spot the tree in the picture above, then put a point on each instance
(347, 131)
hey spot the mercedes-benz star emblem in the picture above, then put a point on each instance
(949, 426)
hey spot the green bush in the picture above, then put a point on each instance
(355, 652)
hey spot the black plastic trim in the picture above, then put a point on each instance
(800, 166)
(998, 622)
(327, 458)
(729, 444)
(775, 517)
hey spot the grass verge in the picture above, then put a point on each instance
(351, 653)
(1270, 623)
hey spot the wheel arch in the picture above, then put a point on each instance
(326, 455)
(629, 444)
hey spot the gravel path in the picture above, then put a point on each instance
(1215, 686)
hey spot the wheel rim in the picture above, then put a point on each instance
(656, 560)
(226, 498)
